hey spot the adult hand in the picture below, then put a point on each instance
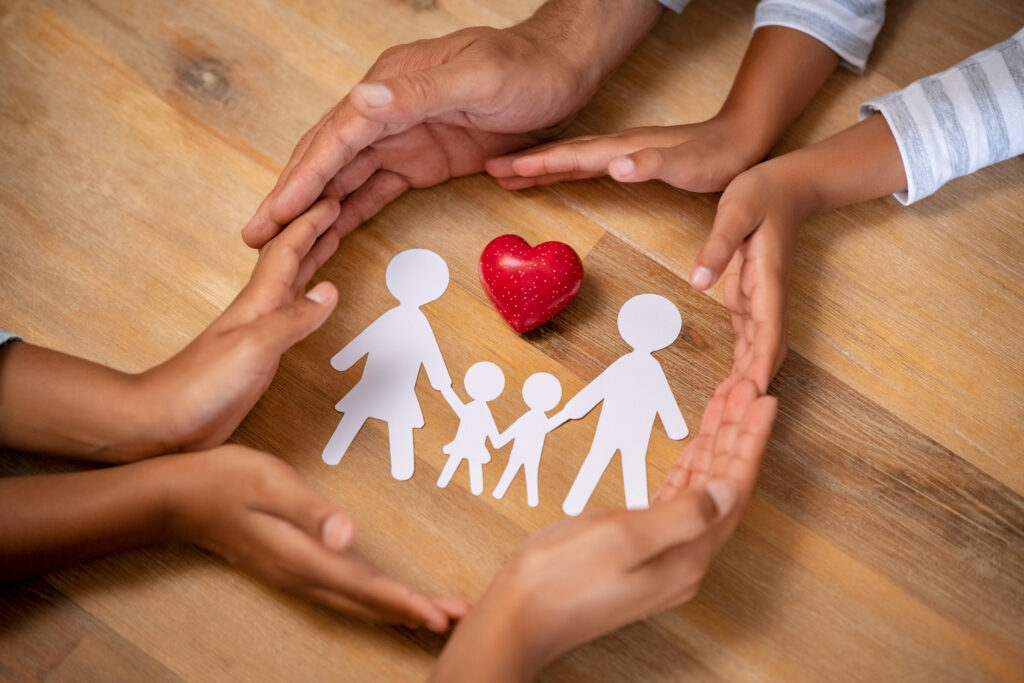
(203, 393)
(254, 510)
(699, 157)
(583, 577)
(436, 109)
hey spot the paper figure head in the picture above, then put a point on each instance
(649, 322)
(484, 381)
(542, 391)
(417, 276)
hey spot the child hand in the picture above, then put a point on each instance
(583, 577)
(256, 512)
(206, 390)
(700, 157)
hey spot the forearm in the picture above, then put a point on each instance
(594, 36)
(54, 403)
(859, 163)
(781, 71)
(52, 521)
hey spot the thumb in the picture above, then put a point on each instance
(682, 519)
(415, 96)
(678, 166)
(735, 220)
(286, 326)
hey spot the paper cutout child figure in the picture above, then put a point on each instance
(396, 345)
(484, 382)
(541, 392)
(634, 391)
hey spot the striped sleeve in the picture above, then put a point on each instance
(7, 337)
(848, 27)
(676, 6)
(958, 121)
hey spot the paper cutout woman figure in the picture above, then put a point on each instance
(634, 391)
(396, 345)
(484, 382)
(541, 392)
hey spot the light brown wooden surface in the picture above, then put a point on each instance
(887, 538)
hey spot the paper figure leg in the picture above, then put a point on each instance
(342, 438)
(449, 471)
(476, 478)
(402, 462)
(586, 481)
(506, 479)
(634, 479)
(530, 472)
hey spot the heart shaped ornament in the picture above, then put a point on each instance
(529, 285)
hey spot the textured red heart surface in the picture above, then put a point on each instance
(529, 285)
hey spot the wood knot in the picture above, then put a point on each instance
(203, 79)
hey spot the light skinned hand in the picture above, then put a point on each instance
(586, 576)
(437, 109)
(255, 511)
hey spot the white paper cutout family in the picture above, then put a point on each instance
(633, 388)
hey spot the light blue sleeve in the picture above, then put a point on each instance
(7, 337)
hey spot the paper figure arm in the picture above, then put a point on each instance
(492, 431)
(433, 363)
(507, 435)
(355, 349)
(583, 402)
(453, 400)
(668, 410)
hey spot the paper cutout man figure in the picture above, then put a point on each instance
(484, 382)
(634, 391)
(541, 392)
(396, 345)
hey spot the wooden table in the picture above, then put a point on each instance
(887, 538)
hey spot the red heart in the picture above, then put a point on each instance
(529, 285)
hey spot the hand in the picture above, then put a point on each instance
(583, 577)
(205, 391)
(437, 109)
(700, 157)
(254, 510)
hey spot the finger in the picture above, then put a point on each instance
(738, 402)
(415, 96)
(343, 135)
(680, 520)
(290, 499)
(364, 203)
(589, 156)
(768, 310)
(703, 455)
(324, 248)
(280, 257)
(678, 166)
(521, 183)
(734, 222)
(349, 578)
(353, 175)
(287, 325)
(750, 444)
(455, 608)
(678, 476)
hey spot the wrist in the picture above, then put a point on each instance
(591, 37)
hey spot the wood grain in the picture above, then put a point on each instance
(887, 538)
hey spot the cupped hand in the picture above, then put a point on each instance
(751, 247)
(201, 394)
(583, 577)
(425, 112)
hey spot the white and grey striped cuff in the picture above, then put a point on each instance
(676, 6)
(848, 27)
(953, 123)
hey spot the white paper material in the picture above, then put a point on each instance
(396, 345)
(634, 391)
(484, 382)
(541, 393)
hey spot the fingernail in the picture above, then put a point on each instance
(375, 94)
(317, 293)
(723, 492)
(623, 167)
(700, 278)
(337, 532)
